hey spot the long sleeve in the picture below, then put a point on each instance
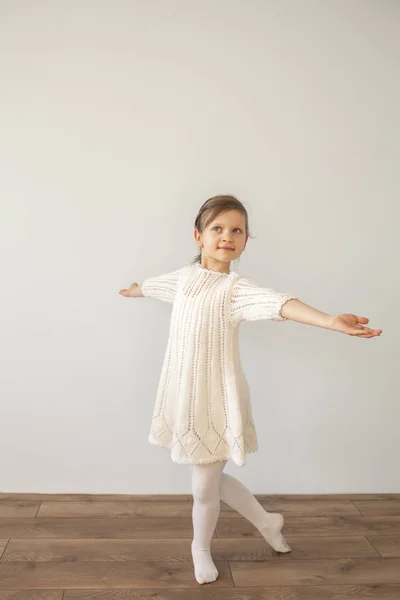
(162, 287)
(251, 302)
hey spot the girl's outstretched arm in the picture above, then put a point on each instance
(161, 287)
(351, 324)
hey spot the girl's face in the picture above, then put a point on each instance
(224, 239)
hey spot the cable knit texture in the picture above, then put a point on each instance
(203, 411)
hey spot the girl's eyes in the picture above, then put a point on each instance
(218, 227)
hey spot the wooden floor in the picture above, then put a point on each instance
(70, 547)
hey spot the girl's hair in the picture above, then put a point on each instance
(212, 208)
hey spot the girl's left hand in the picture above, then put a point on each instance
(353, 325)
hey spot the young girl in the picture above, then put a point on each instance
(202, 411)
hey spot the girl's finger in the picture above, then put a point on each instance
(367, 333)
(362, 319)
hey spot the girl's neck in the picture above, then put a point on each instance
(222, 268)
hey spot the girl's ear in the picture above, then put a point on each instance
(197, 238)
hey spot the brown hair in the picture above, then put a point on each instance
(212, 208)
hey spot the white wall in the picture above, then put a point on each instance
(118, 120)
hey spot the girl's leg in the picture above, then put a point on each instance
(206, 507)
(239, 497)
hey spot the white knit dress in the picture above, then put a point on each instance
(202, 411)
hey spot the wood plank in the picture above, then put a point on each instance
(26, 497)
(355, 571)
(316, 592)
(386, 545)
(109, 575)
(18, 508)
(378, 507)
(70, 527)
(278, 498)
(3, 544)
(317, 508)
(173, 550)
(184, 509)
(307, 497)
(15, 508)
(31, 595)
(299, 526)
(306, 592)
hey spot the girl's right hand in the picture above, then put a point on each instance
(133, 292)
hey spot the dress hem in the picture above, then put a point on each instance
(155, 442)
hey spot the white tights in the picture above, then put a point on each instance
(209, 486)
